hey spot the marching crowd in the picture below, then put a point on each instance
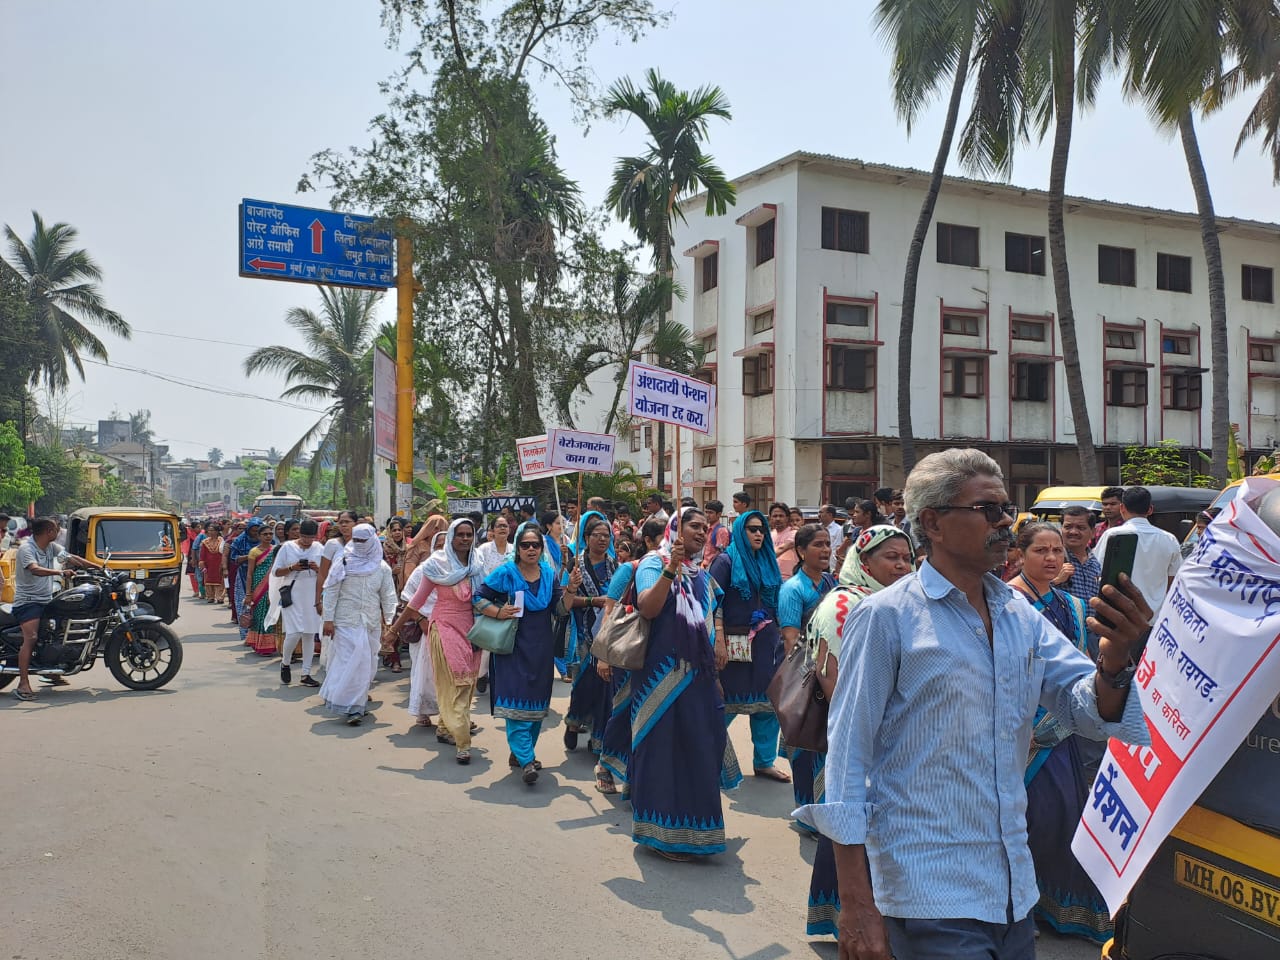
(967, 712)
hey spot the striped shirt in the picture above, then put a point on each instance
(938, 721)
(1086, 579)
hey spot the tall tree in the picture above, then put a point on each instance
(646, 190)
(214, 456)
(63, 295)
(335, 368)
(931, 41)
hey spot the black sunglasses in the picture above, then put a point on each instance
(994, 512)
(535, 544)
(754, 528)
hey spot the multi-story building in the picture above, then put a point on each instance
(795, 295)
(219, 484)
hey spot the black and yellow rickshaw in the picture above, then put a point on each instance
(1172, 508)
(142, 541)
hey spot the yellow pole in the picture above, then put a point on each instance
(405, 288)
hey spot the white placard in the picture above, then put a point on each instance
(657, 394)
(384, 405)
(581, 451)
(532, 454)
(1210, 669)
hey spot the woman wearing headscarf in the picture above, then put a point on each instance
(880, 556)
(595, 563)
(520, 681)
(422, 681)
(677, 715)
(422, 544)
(393, 551)
(238, 567)
(359, 599)
(448, 574)
(260, 637)
(750, 649)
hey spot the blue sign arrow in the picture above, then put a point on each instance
(303, 244)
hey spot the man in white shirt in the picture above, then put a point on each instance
(827, 517)
(1158, 556)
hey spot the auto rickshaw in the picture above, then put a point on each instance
(1172, 508)
(137, 539)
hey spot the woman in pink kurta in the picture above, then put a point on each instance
(448, 575)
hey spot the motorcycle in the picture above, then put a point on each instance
(98, 615)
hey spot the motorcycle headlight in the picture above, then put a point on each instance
(131, 591)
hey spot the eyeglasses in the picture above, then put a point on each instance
(530, 545)
(994, 512)
(754, 528)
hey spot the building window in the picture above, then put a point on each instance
(762, 322)
(710, 272)
(1180, 391)
(1029, 330)
(764, 242)
(964, 377)
(961, 323)
(849, 368)
(1262, 352)
(760, 492)
(1117, 266)
(707, 458)
(708, 344)
(757, 374)
(848, 314)
(1178, 345)
(846, 230)
(1024, 253)
(1255, 284)
(648, 437)
(1127, 387)
(1031, 381)
(958, 245)
(1173, 273)
(635, 440)
(762, 452)
(845, 451)
(1122, 339)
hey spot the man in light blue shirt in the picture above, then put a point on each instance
(940, 678)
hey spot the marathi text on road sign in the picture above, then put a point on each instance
(282, 242)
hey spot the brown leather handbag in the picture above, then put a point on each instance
(799, 702)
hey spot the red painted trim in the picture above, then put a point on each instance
(759, 214)
(703, 248)
(757, 348)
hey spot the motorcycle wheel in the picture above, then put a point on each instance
(6, 679)
(148, 661)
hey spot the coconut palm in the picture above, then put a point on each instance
(1259, 62)
(62, 290)
(931, 41)
(335, 367)
(646, 190)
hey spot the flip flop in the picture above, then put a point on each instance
(26, 696)
(771, 773)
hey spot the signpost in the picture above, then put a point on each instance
(581, 451)
(303, 244)
(384, 405)
(533, 457)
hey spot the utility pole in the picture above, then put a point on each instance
(406, 287)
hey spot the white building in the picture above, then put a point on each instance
(796, 295)
(219, 484)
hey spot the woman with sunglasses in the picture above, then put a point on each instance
(678, 731)
(520, 681)
(749, 651)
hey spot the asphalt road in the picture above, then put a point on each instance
(227, 816)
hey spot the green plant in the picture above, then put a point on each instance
(19, 483)
(1162, 465)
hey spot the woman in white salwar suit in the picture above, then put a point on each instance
(359, 601)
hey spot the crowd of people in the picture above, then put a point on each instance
(962, 737)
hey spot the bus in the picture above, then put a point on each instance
(280, 505)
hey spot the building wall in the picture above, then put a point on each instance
(804, 278)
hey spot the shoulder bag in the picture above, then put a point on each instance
(490, 633)
(622, 639)
(799, 702)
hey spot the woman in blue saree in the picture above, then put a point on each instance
(677, 715)
(594, 565)
(238, 555)
(751, 646)
(797, 600)
(520, 681)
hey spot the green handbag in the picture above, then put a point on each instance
(492, 634)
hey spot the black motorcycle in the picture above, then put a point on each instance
(97, 615)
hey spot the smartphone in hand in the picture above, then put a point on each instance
(1122, 551)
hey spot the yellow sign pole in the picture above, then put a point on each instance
(405, 290)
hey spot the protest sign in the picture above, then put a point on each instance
(657, 394)
(532, 454)
(577, 450)
(1200, 698)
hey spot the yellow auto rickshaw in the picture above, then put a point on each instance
(142, 541)
(1172, 508)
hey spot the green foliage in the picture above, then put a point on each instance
(297, 480)
(114, 492)
(214, 456)
(624, 485)
(19, 481)
(1162, 465)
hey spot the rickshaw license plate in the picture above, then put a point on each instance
(139, 574)
(1228, 888)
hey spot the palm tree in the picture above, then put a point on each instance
(214, 456)
(334, 368)
(1259, 62)
(931, 43)
(62, 291)
(646, 189)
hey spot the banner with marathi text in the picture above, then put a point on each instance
(1210, 669)
(658, 394)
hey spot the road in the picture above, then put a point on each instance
(227, 816)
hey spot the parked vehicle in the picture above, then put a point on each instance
(279, 505)
(144, 543)
(1173, 508)
(97, 616)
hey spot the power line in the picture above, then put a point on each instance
(208, 388)
(179, 336)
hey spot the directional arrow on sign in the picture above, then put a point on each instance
(260, 264)
(317, 236)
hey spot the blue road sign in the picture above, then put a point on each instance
(280, 242)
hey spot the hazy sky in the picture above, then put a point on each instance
(144, 122)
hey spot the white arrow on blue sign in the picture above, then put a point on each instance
(306, 245)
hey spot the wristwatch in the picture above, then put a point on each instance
(1117, 681)
(668, 574)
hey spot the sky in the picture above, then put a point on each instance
(143, 123)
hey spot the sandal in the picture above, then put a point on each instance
(674, 857)
(513, 762)
(606, 785)
(444, 736)
(26, 696)
(772, 773)
(463, 757)
(425, 721)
